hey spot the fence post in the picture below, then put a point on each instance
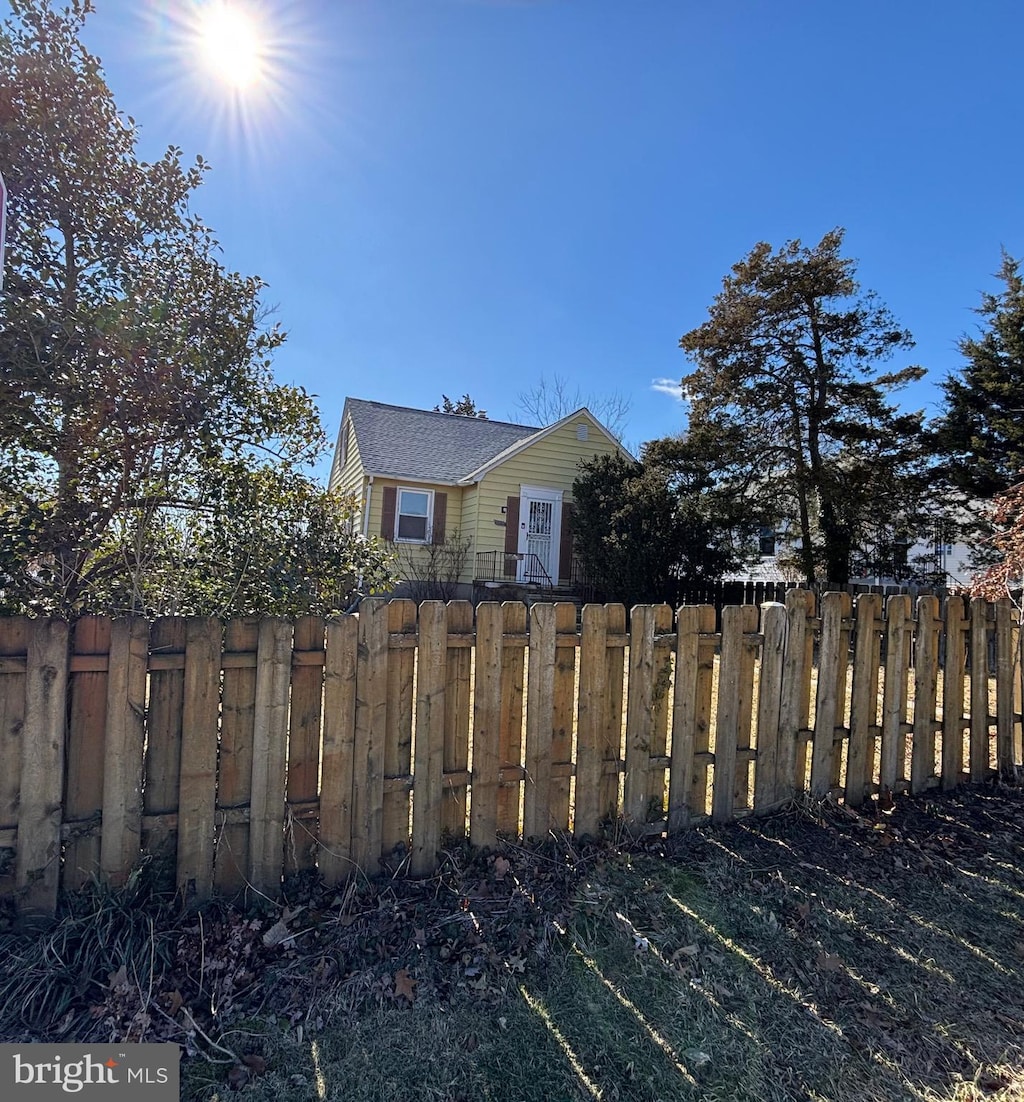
(767, 789)
(860, 758)
(121, 837)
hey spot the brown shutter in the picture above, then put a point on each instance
(440, 516)
(511, 535)
(389, 508)
(565, 544)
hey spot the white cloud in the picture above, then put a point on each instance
(671, 387)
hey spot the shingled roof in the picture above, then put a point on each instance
(399, 442)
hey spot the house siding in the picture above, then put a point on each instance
(551, 462)
(453, 516)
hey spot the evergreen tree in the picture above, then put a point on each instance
(981, 432)
(787, 364)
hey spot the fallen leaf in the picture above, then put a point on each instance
(829, 962)
(804, 910)
(405, 985)
(686, 951)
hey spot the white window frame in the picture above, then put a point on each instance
(428, 535)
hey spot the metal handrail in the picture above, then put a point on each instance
(494, 566)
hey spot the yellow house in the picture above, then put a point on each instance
(500, 494)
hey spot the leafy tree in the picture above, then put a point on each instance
(787, 360)
(642, 527)
(464, 407)
(551, 400)
(1004, 577)
(141, 428)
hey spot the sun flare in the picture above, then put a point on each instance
(230, 44)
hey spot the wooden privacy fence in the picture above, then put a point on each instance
(251, 749)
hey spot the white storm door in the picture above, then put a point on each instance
(540, 522)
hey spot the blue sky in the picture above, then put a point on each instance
(469, 195)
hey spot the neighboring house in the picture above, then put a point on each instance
(932, 558)
(422, 478)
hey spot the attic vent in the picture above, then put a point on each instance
(581, 432)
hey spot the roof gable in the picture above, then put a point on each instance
(539, 434)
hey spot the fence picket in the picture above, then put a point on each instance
(483, 808)
(735, 621)
(563, 713)
(831, 695)
(398, 729)
(748, 660)
(457, 713)
(87, 725)
(198, 785)
(894, 698)
(124, 749)
(657, 796)
(926, 675)
(269, 750)
(639, 715)
(510, 745)
(335, 854)
(860, 758)
(234, 780)
(614, 711)
(537, 819)
(371, 725)
(980, 710)
(954, 668)
(301, 828)
(430, 732)
(163, 742)
(1006, 674)
(768, 791)
(37, 864)
(591, 724)
(795, 709)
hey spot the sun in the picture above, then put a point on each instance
(230, 45)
